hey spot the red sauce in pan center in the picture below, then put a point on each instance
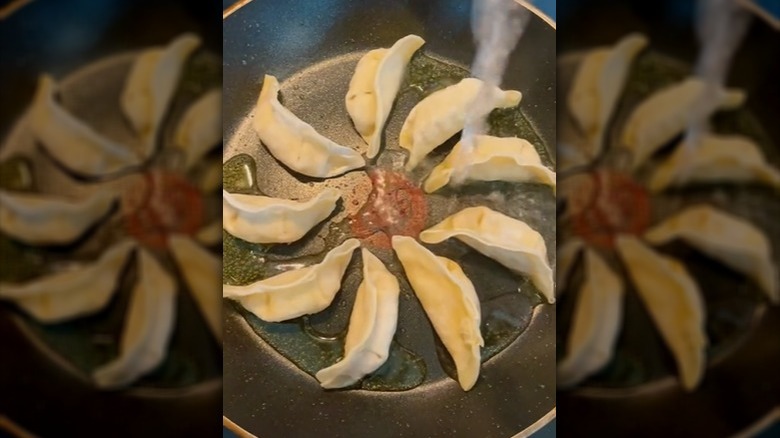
(161, 203)
(395, 207)
(605, 204)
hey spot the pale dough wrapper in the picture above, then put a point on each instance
(295, 143)
(450, 301)
(373, 88)
(674, 302)
(372, 326)
(297, 292)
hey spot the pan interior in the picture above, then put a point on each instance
(316, 95)
(266, 393)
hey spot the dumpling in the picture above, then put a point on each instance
(372, 325)
(202, 272)
(148, 326)
(597, 86)
(729, 239)
(71, 293)
(717, 158)
(295, 143)
(69, 141)
(674, 302)
(200, 129)
(211, 178)
(443, 113)
(595, 325)
(298, 292)
(566, 256)
(150, 86)
(492, 159)
(261, 219)
(578, 191)
(571, 155)
(506, 240)
(665, 114)
(211, 234)
(373, 88)
(39, 219)
(450, 301)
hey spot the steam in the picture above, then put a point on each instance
(497, 26)
(720, 26)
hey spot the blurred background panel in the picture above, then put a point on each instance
(46, 383)
(637, 393)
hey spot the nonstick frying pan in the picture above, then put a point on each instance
(741, 384)
(312, 47)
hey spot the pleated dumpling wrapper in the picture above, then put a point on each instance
(202, 272)
(260, 219)
(667, 112)
(595, 325)
(716, 159)
(297, 292)
(148, 326)
(373, 88)
(597, 87)
(79, 291)
(450, 301)
(71, 142)
(506, 240)
(509, 159)
(210, 234)
(40, 219)
(674, 302)
(150, 86)
(729, 239)
(372, 326)
(443, 113)
(565, 258)
(200, 129)
(295, 143)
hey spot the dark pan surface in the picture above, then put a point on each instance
(313, 51)
(741, 384)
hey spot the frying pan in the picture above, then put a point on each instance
(741, 385)
(312, 48)
(42, 391)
